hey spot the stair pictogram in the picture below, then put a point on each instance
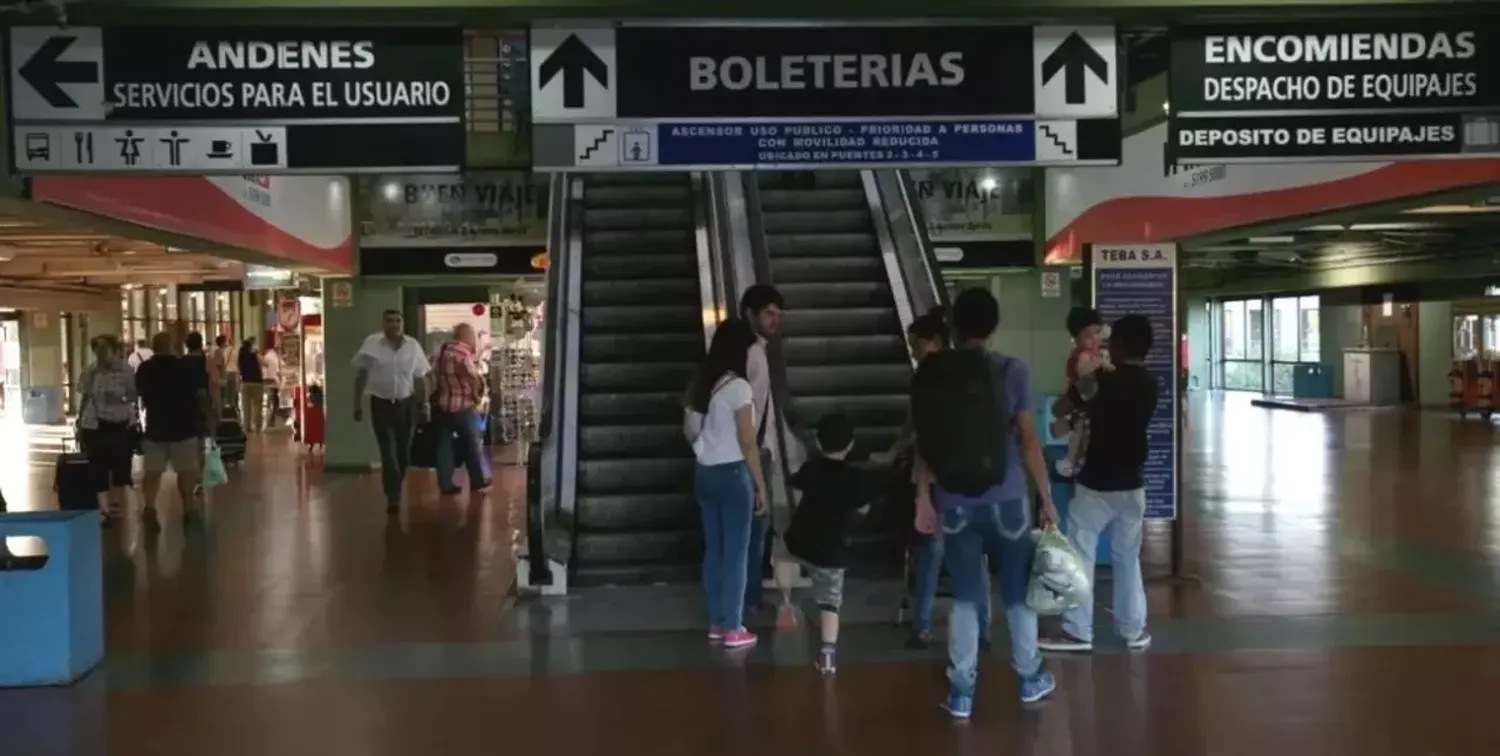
(599, 141)
(1057, 139)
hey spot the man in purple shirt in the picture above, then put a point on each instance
(994, 524)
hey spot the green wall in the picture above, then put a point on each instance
(1032, 327)
(350, 444)
(1196, 324)
(1434, 352)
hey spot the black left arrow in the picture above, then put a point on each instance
(45, 73)
(1075, 57)
(573, 59)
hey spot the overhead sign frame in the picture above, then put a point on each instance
(236, 100)
(1385, 89)
(654, 96)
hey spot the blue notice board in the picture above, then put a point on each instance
(1141, 279)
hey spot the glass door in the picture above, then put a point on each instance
(1295, 339)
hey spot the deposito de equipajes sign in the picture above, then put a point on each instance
(353, 74)
(1335, 66)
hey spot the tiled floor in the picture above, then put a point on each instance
(1349, 564)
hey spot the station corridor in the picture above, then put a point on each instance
(1347, 565)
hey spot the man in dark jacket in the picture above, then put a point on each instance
(252, 387)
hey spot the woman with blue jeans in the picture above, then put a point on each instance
(728, 481)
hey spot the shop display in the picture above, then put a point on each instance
(516, 369)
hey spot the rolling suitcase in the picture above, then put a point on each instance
(230, 436)
(73, 481)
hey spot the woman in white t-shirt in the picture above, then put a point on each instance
(729, 484)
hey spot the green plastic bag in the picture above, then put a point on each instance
(1059, 581)
(214, 473)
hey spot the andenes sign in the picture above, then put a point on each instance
(356, 74)
(236, 100)
(1336, 90)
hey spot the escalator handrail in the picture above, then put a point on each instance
(710, 248)
(789, 440)
(928, 257)
(889, 254)
(537, 493)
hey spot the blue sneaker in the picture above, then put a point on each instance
(1038, 686)
(960, 706)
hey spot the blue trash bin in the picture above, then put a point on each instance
(52, 621)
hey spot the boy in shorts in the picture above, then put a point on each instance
(1088, 356)
(833, 494)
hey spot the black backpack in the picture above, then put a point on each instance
(963, 421)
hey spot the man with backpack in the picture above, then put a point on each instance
(976, 440)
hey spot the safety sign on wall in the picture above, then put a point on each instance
(607, 96)
(261, 100)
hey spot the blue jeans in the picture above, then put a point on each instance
(727, 500)
(1001, 532)
(929, 569)
(1088, 515)
(457, 438)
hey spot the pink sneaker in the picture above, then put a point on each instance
(739, 638)
(715, 634)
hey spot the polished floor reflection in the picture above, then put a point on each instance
(1346, 567)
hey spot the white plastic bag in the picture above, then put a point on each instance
(214, 473)
(1058, 579)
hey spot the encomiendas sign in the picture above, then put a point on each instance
(283, 74)
(1334, 67)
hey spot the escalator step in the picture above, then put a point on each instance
(666, 318)
(623, 512)
(844, 321)
(645, 241)
(608, 348)
(836, 294)
(829, 270)
(817, 221)
(634, 441)
(621, 293)
(630, 407)
(844, 351)
(617, 476)
(645, 178)
(645, 548)
(884, 378)
(625, 377)
(849, 244)
(779, 200)
(636, 196)
(627, 218)
(612, 267)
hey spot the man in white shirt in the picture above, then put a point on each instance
(141, 354)
(761, 305)
(392, 368)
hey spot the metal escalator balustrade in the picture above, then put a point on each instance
(843, 344)
(642, 333)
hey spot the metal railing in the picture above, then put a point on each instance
(907, 229)
(543, 475)
(789, 437)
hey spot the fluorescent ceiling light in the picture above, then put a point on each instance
(1273, 239)
(1325, 228)
(1452, 210)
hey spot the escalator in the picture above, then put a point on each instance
(641, 333)
(843, 347)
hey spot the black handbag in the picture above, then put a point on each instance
(424, 446)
